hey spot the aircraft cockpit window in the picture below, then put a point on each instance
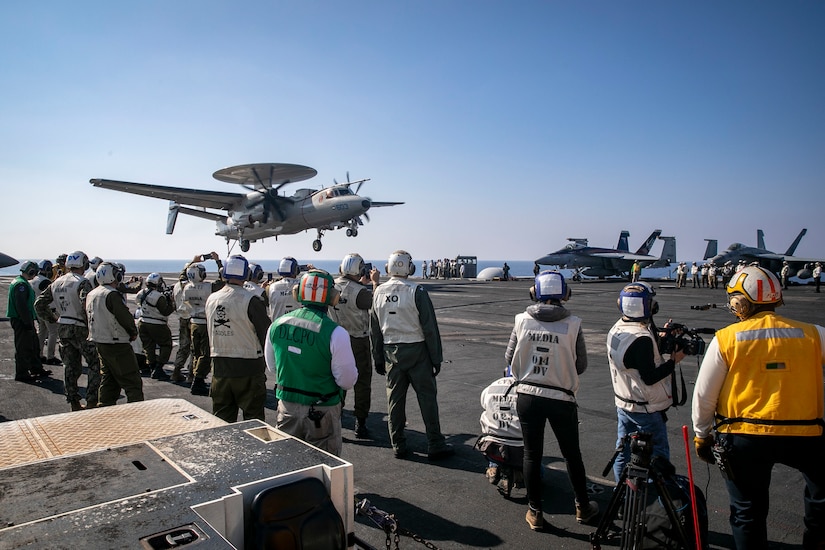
(735, 246)
(344, 191)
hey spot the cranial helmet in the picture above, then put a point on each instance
(256, 273)
(288, 267)
(196, 273)
(108, 273)
(62, 258)
(352, 264)
(550, 285)
(636, 301)
(45, 267)
(77, 260)
(400, 264)
(29, 268)
(753, 286)
(236, 268)
(154, 280)
(316, 287)
(95, 262)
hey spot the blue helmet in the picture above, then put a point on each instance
(236, 268)
(550, 285)
(288, 267)
(256, 273)
(636, 302)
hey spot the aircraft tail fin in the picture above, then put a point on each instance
(172, 218)
(711, 249)
(644, 250)
(623, 244)
(668, 255)
(760, 239)
(795, 243)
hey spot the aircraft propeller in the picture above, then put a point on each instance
(271, 193)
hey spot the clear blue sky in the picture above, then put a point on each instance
(506, 127)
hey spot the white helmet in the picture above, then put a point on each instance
(636, 301)
(95, 262)
(155, 280)
(752, 287)
(108, 273)
(236, 268)
(352, 264)
(400, 264)
(77, 260)
(196, 273)
(288, 267)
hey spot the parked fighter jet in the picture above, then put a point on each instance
(263, 212)
(766, 258)
(605, 262)
(7, 261)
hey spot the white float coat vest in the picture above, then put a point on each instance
(147, 300)
(195, 296)
(499, 421)
(103, 326)
(256, 290)
(346, 313)
(280, 297)
(544, 361)
(231, 333)
(180, 305)
(66, 295)
(631, 393)
(394, 305)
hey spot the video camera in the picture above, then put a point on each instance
(676, 336)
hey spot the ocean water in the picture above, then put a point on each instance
(518, 268)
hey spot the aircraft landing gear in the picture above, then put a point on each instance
(352, 232)
(316, 244)
(244, 245)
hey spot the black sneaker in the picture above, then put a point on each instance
(441, 454)
(199, 387)
(160, 374)
(361, 431)
(402, 453)
(54, 361)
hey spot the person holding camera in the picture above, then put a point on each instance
(353, 313)
(406, 347)
(195, 293)
(639, 373)
(760, 388)
(236, 324)
(313, 363)
(547, 353)
(156, 304)
(112, 329)
(280, 290)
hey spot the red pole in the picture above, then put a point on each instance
(696, 531)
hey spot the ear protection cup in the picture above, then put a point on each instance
(533, 294)
(740, 306)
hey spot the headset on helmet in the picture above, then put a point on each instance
(29, 268)
(550, 285)
(256, 273)
(636, 301)
(316, 287)
(400, 264)
(77, 260)
(352, 264)
(236, 268)
(288, 267)
(751, 287)
(108, 273)
(62, 258)
(154, 280)
(95, 262)
(196, 273)
(45, 268)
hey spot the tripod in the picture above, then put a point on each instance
(631, 497)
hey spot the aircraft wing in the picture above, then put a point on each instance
(384, 203)
(7, 261)
(193, 197)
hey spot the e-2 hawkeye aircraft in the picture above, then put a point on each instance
(594, 261)
(263, 212)
(766, 258)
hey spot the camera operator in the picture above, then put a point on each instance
(761, 382)
(156, 304)
(639, 372)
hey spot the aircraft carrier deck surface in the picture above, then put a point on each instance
(450, 503)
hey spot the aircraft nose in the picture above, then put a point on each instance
(366, 204)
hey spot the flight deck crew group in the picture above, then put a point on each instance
(758, 399)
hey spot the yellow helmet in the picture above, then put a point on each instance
(757, 285)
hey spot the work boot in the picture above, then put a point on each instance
(199, 387)
(91, 404)
(586, 512)
(535, 519)
(75, 404)
(177, 376)
(159, 374)
(361, 431)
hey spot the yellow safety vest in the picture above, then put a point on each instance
(774, 382)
